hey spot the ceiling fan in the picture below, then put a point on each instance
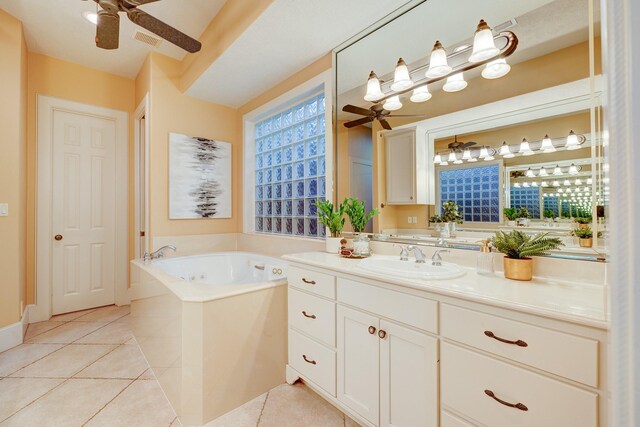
(108, 25)
(375, 112)
(459, 145)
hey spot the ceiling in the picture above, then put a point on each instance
(56, 28)
(287, 37)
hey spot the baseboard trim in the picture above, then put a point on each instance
(13, 335)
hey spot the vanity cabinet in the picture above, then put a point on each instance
(409, 173)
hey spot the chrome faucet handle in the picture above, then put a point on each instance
(436, 259)
(404, 254)
(417, 252)
(146, 256)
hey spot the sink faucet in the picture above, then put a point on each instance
(404, 255)
(442, 242)
(436, 259)
(159, 253)
(417, 252)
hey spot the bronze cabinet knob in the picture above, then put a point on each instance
(58, 237)
(382, 334)
(372, 330)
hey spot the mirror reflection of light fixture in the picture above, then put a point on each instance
(589, 181)
(483, 45)
(443, 162)
(453, 159)
(547, 145)
(472, 159)
(557, 171)
(560, 190)
(401, 78)
(437, 158)
(544, 184)
(496, 69)
(566, 183)
(455, 83)
(484, 153)
(530, 173)
(526, 185)
(578, 181)
(489, 157)
(556, 184)
(525, 150)
(420, 94)
(517, 185)
(543, 172)
(534, 183)
(505, 151)
(466, 155)
(393, 103)
(573, 170)
(438, 65)
(374, 91)
(572, 141)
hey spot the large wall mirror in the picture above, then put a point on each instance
(507, 128)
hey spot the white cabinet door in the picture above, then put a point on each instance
(358, 362)
(408, 377)
(401, 168)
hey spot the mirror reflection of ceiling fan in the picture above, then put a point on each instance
(108, 25)
(375, 112)
(459, 145)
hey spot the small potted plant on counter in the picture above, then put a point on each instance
(518, 248)
(437, 220)
(523, 217)
(331, 217)
(583, 222)
(549, 214)
(585, 236)
(356, 211)
(451, 215)
(512, 215)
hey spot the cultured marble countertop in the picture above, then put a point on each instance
(578, 303)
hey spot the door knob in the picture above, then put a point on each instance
(58, 237)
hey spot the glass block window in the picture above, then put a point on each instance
(527, 197)
(475, 189)
(551, 203)
(290, 169)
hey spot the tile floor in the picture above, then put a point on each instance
(85, 368)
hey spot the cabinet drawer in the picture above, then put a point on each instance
(311, 281)
(467, 377)
(313, 315)
(562, 354)
(314, 361)
(449, 420)
(412, 310)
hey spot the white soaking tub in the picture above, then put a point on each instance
(213, 328)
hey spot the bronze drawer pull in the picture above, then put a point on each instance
(382, 334)
(372, 330)
(304, 356)
(309, 282)
(492, 395)
(519, 343)
(310, 316)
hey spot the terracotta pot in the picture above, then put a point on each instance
(333, 245)
(586, 243)
(518, 269)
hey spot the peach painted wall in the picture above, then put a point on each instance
(53, 77)
(13, 178)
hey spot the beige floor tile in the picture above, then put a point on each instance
(70, 316)
(147, 375)
(23, 355)
(71, 404)
(65, 362)
(296, 405)
(16, 393)
(67, 333)
(113, 333)
(125, 361)
(246, 415)
(105, 314)
(141, 404)
(40, 327)
(176, 423)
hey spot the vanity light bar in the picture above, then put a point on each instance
(469, 154)
(577, 184)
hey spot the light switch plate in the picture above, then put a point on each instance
(4, 209)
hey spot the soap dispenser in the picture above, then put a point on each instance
(485, 259)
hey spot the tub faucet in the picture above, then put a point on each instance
(417, 252)
(159, 253)
(436, 259)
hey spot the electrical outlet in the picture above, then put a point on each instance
(4, 209)
(409, 220)
(414, 219)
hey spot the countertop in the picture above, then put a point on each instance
(583, 304)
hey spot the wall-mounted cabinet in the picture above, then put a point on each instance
(410, 176)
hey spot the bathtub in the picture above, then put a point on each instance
(213, 328)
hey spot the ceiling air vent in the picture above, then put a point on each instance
(147, 38)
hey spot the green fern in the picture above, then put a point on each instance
(519, 245)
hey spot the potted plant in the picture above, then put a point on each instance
(451, 215)
(583, 221)
(523, 217)
(585, 236)
(331, 217)
(549, 214)
(512, 215)
(437, 220)
(518, 248)
(356, 211)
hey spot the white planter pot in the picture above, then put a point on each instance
(333, 245)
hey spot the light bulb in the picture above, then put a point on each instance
(438, 65)
(505, 151)
(437, 158)
(401, 78)
(374, 91)
(420, 94)
(466, 155)
(573, 169)
(572, 141)
(547, 145)
(543, 172)
(525, 150)
(529, 173)
(484, 153)
(483, 45)
(455, 83)
(496, 69)
(393, 103)
(557, 171)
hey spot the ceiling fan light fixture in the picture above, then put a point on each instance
(421, 94)
(496, 69)
(374, 91)
(401, 77)
(483, 45)
(455, 83)
(392, 104)
(547, 145)
(438, 65)
(505, 151)
(572, 141)
(90, 16)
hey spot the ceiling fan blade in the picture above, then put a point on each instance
(385, 124)
(468, 144)
(108, 30)
(356, 110)
(163, 30)
(134, 3)
(407, 115)
(358, 122)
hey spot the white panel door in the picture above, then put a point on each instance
(358, 362)
(83, 212)
(408, 377)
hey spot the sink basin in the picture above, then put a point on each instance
(411, 269)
